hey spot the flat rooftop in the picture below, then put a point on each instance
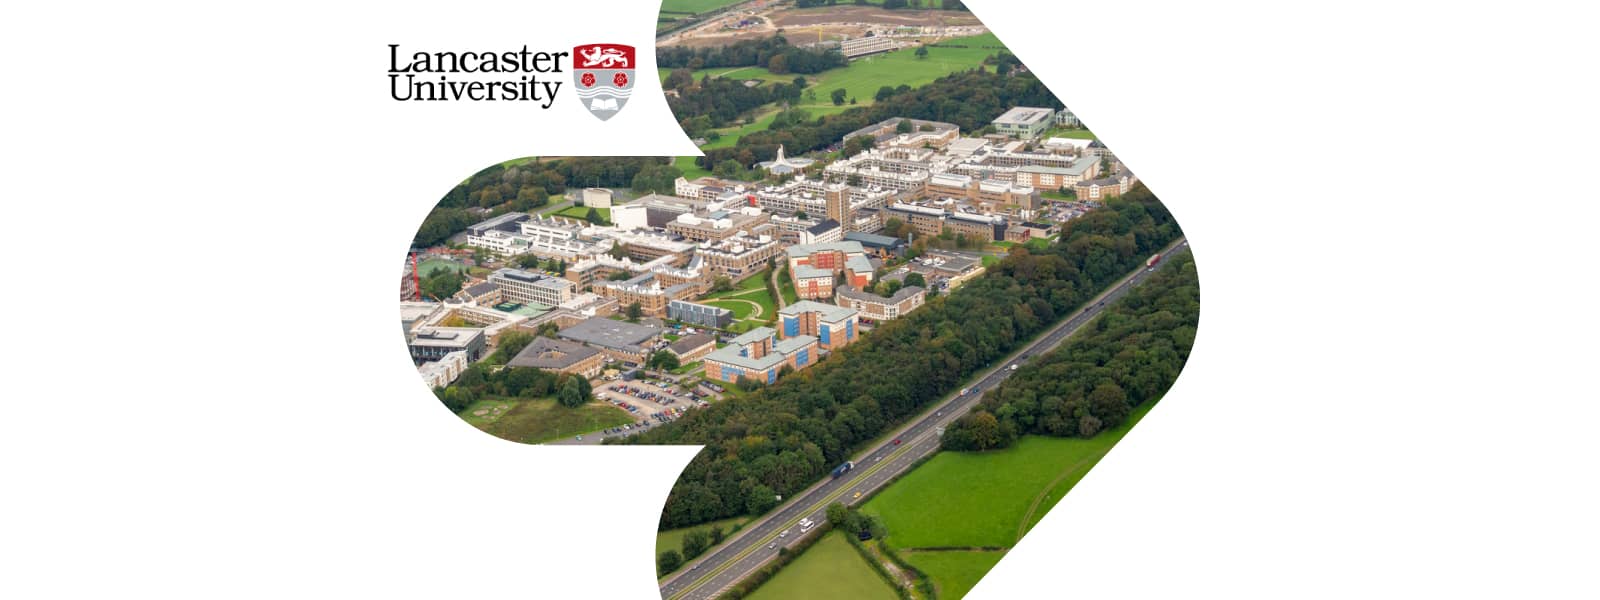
(609, 333)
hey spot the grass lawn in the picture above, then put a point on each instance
(829, 569)
(432, 265)
(988, 498)
(1077, 134)
(953, 573)
(786, 287)
(540, 420)
(693, 6)
(690, 170)
(742, 308)
(672, 539)
(581, 212)
(861, 78)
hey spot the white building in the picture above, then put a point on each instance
(630, 216)
(442, 372)
(597, 197)
(522, 286)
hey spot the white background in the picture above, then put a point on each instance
(206, 211)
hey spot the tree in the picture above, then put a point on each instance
(729, 169)
(883, 93)
(571, 394)
(837, 95)
(722, 284)
(593, 216)
(904, 126)
(922, 51)
(800, 82)
(668, 562)
(716, 534)
(694, 543)
(635, 312)
(837, 514)
(678, 79)
(916, 279)
(663, 360)
(778, 65)
(985, 430)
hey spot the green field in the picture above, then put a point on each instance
(752, 289)
(829, 569)
(581, 213)
(690, 170)
(432, 265)
(1062, 132)
(672, 539)
(953, 573)
(988, 498)
(861, 79)
(694, 6)
(541, 420)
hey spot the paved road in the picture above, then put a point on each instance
(759, 541)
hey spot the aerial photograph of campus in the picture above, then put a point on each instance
(905, 300)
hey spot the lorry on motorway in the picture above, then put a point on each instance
(1151, 263)
(842, 469)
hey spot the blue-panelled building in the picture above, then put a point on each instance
(759, 355)
(833, 326)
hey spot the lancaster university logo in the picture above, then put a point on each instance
(604, 77)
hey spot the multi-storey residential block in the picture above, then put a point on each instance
(759, 355)
(1096, 190)
(833, 326)
(814, 267)
(879, 308)
(701, 315)
(440, 373)
(738, 257)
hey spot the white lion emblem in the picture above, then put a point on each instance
(604, 57)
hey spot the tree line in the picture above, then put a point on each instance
(970, 99)
(1128, 356)
(783, 437)
(485, 378)
(525, 186)
(774, 53)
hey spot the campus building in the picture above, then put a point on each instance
(1096, 190)
(620, 340)
(560, 356)
(886, 133)
(814, 266)
(442, 372)
(878, 308)
(692, 347)
(738, 257)
(863, 46)
(1024, 122)
(833, 326)
(517, 285)
(434, 343)
(720, 224)
(759, 355)
(700, 315)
